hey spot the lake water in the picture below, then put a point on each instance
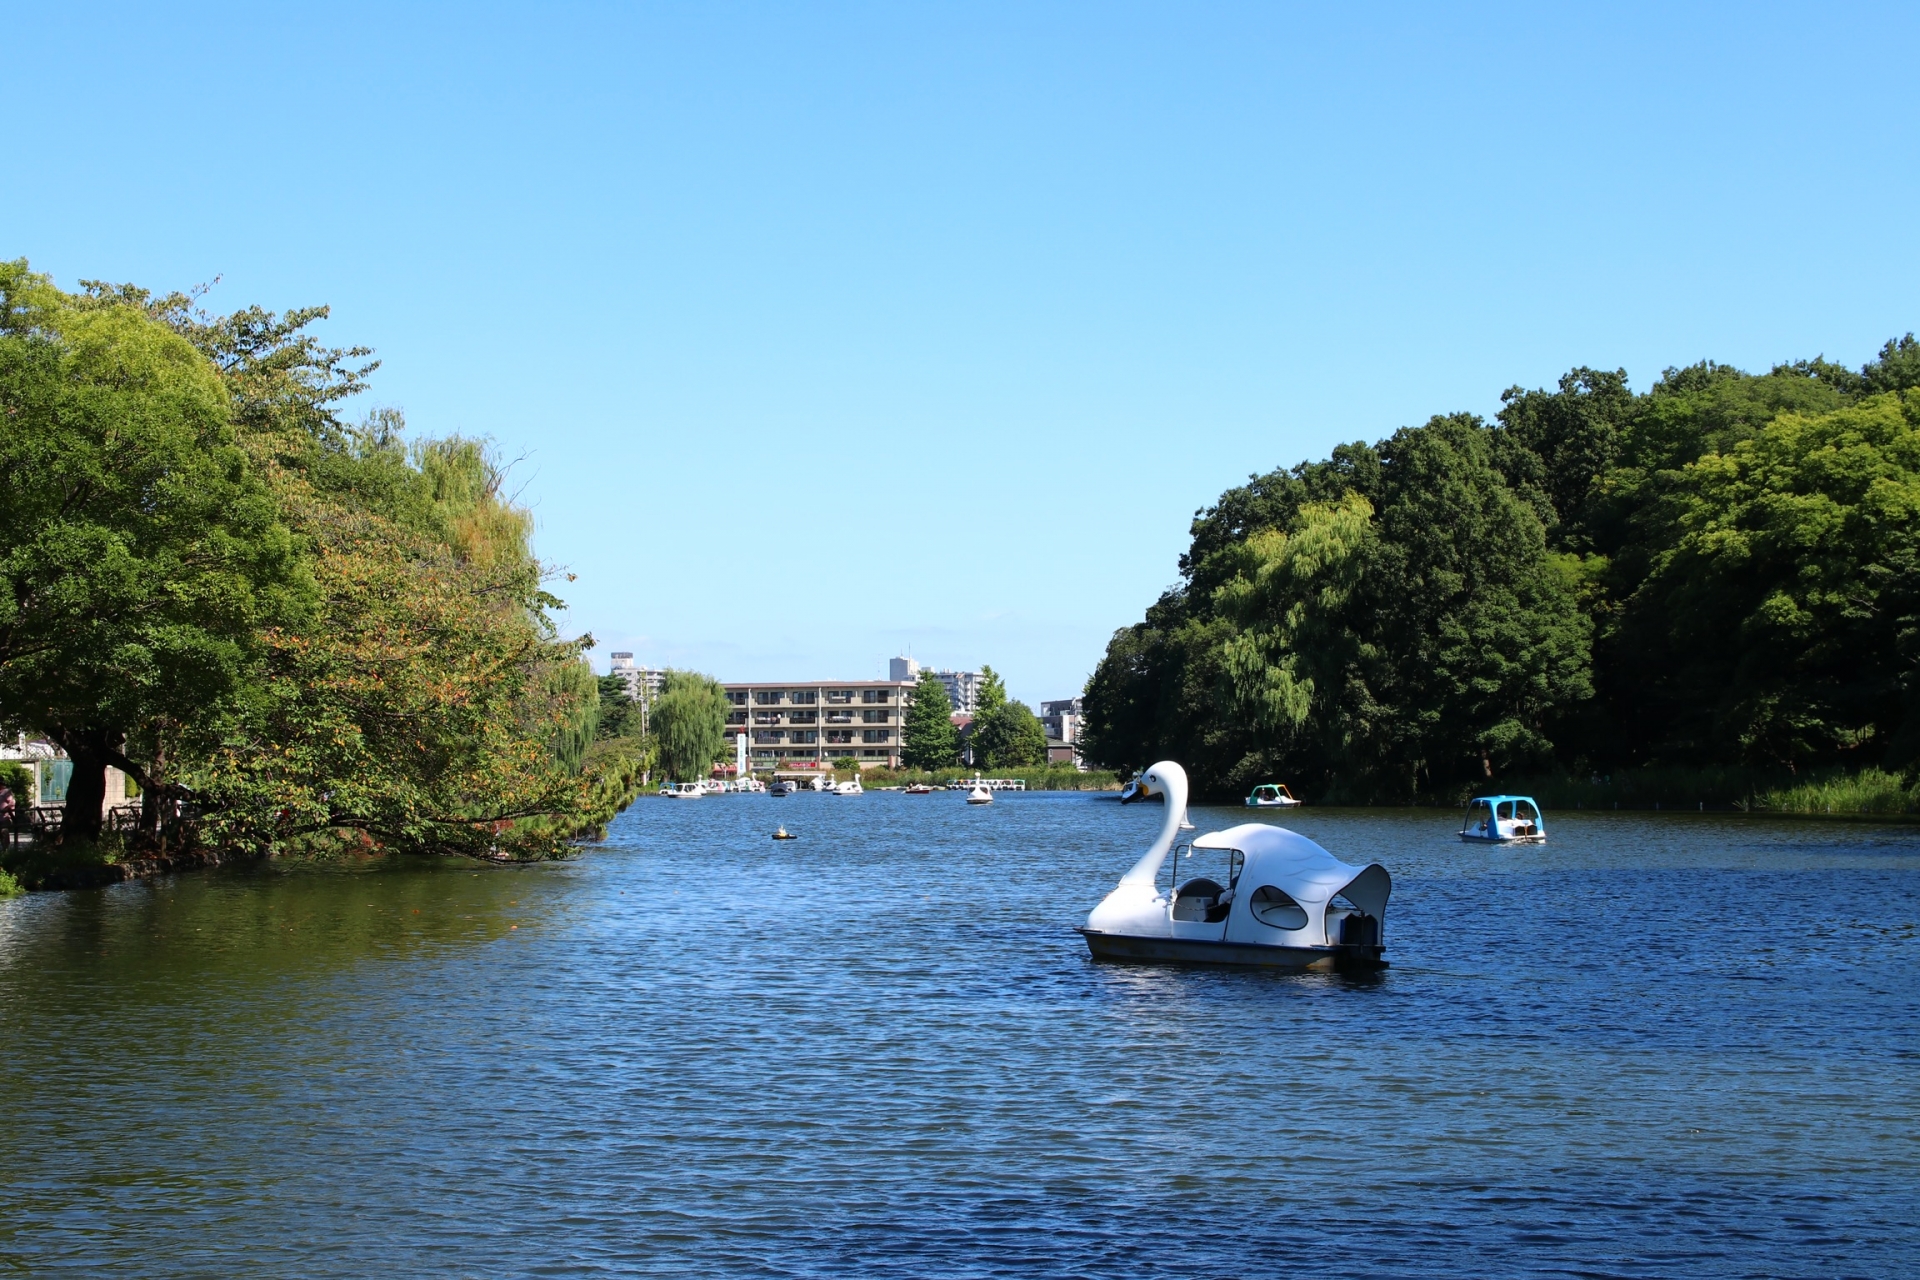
(1659, 1046)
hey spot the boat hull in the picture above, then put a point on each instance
(1132, 949)
(1540, 839)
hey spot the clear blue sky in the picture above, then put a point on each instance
(832, 329)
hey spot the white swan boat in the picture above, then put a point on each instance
(684, 791)
(851, 787)
(1503, 820)
(979, 795)
(1276, 899)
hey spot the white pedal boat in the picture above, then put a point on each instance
(1277, 899)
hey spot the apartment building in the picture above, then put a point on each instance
(794, 725)
(642, 682)
(1062, 719)
(963, 687)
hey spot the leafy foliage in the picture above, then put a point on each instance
(146, 557)
(1009, 736)
(689, 721)
(1718, 571)
(300, 621)
(929, 738)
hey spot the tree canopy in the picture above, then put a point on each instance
(1009, 737)
(1718, 570)
(689, 721)
(227, 589)
(929, 740)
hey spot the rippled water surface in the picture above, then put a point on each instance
(1673, 1045)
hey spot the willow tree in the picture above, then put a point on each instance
(689, 724)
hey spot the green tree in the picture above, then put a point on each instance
(145, 556)
(992, 694)
(1010, 736)
(620, 713)
(689, 722)
(929, 738)
(1776, 622)
(425, 701)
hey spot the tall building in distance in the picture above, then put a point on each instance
(642, 682)
(963, 687)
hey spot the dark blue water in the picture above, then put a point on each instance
(1660, 1046)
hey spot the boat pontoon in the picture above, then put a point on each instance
(1504, 820)
(1264, 896)
(1271, 795)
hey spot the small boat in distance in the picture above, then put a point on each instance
(780, 787)
(685, 791)
(1274, 898)
(1271, 795)
(784, 834)
(1503, 820)
(979, 795)
(918, 789)
(851, 787)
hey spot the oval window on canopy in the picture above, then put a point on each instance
(1276, 908)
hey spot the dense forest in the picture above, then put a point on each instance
(284, 625)
(1722, 571)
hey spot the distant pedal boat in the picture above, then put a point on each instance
(685, 791)
(1503, 820)
(1280, 901)
(1271, 795)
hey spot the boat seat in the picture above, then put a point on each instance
(1198, 901)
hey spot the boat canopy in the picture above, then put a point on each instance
(1499, 800)
(1309, 874)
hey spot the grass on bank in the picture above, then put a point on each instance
(1869, 791)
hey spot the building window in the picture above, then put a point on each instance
(771, 699)
(804, 697)
(839, 717)
(803, 735)
(737, 717)
(738, 697)
(873, 695)
(876, 735)
(803, 717)
(839, 735)
(873, 717)
(55, 775)
(839, 695)
(768, 735)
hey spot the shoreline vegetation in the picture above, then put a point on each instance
(295, 633)
(1707, 593)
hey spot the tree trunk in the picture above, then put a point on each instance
(91, 750)
(154, 794)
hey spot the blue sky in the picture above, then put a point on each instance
(825, 331)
